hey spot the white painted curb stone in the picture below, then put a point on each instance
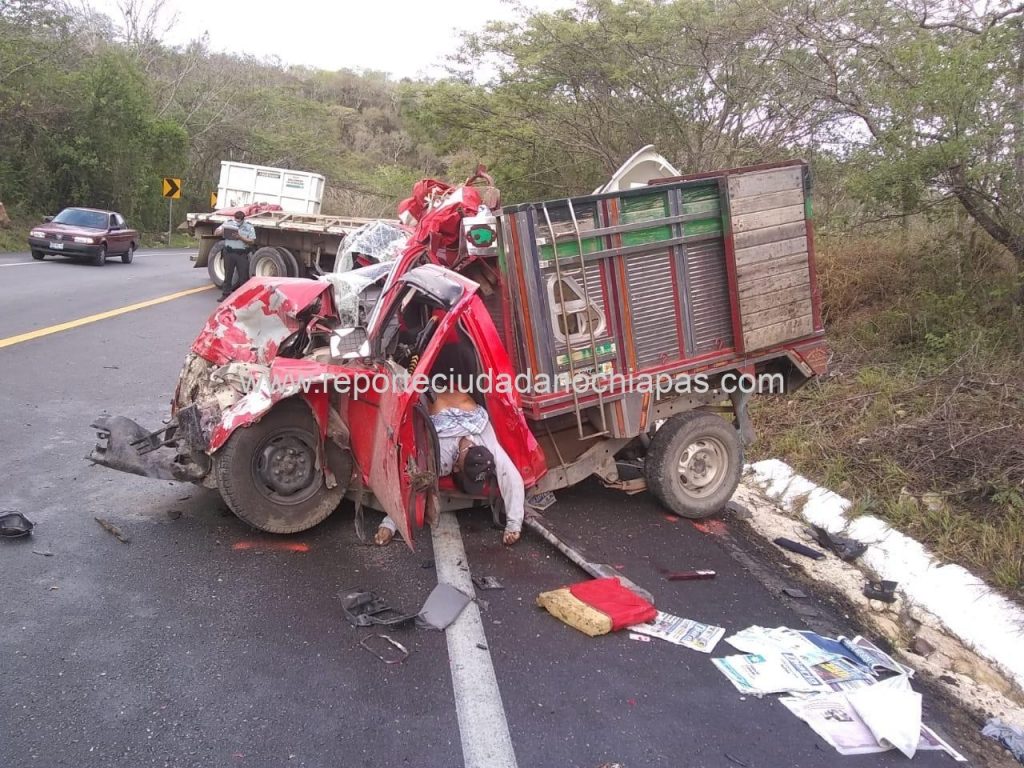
(982, 619)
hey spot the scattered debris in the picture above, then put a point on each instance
(279, 546)
(365, 609)
(599, 571)
(800, 549)
(735, 760)
(43, 552)
(487, 582)
(541, 501)
(679, 631)
(14, 525)
(881, 590)
(427, 565)
(598, 606)
(739, 511)
(444, 605)
(922, 647)
(845, 548)
(638, 636)
(689, 575)
(840, 721)
(797, 594)
(834, 687)
(1010, 737)
(113, 530)
(174, 514)
(481, 646)
(385, 652)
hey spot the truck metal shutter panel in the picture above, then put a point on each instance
(709, 306)
(652, 292)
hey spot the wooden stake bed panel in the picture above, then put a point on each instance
(773, 276)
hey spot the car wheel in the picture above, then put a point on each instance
(694, 463)
(101, 257)
(267, 472)
(129, 255)
(268, 262)
(38, 255)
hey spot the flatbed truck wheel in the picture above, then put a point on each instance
(268, 476)
(267, 262)
(694, 463)
(215, 264)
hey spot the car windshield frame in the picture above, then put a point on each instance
(82, 217)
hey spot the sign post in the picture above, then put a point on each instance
(172, 191)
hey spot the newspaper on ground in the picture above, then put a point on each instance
(835, 719)
(873, 657)
(685, 632)
(758, 674)
(892, 712)
(760, 641)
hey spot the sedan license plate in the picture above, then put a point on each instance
(57, 246)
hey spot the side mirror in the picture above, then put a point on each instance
(47, 218)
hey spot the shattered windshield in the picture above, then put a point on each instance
(356, 292)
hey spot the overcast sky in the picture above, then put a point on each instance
(404, 38)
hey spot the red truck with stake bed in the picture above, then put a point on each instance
(630, 325)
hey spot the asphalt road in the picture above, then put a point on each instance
(200, 642)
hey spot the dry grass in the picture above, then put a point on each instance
(925, 396)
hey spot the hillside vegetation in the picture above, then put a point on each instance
(911, 113)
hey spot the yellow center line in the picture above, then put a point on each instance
(12, 340)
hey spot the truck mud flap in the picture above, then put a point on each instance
(126, 446)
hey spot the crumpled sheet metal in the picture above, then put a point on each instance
(255, 320)
(348, 290)
(282, 379)
(380, 240)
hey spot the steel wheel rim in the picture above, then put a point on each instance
(702, 466)
(284, 467)
(266, 268)
(218, 265)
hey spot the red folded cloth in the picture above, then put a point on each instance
(623, 606)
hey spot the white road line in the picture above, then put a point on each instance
(22, 263)
(486, 742)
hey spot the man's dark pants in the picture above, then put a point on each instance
(235, 261)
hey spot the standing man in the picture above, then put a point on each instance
(239, 237)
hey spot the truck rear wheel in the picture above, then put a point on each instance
(268, 476)
(290, 261)
(268, 262)
(694, 464)
(215, 264)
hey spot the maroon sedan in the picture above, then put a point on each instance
(84, 233)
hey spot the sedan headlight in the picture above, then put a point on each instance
(87, 240)
(37, 234)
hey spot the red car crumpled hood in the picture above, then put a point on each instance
(252, 323)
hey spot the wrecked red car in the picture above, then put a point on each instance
(627, 321)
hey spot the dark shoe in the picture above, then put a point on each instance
(223, 296)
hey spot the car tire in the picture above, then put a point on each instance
(694, 464)
(215, 264)
(38, 255)
(291, 263)
(129, 255)
(267, 473)
(267, 262)
(101, 256)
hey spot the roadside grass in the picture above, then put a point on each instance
(921, 418)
